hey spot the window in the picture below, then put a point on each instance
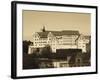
(63, 64)
(35, 44)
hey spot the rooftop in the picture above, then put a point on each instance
(58, 33)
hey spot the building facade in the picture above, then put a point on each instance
(83, 42)
(66, 39)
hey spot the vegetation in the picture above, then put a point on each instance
(33, 61)
(46, 51)
(26, 45)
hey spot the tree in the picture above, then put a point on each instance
(29, 62)
(45, 57)
(46, 51)
(26, 45)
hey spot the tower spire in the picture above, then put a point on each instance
(43, 29)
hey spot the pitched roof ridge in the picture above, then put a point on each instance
(59, 33)
(69, 30)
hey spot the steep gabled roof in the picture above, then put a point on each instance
(87, 37)
(58, 33)
(43, 34)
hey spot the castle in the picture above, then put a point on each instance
(65, 39)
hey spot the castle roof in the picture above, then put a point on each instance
(58, 33)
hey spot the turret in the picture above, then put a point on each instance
(43, 29)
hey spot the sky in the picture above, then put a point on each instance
(33, 21)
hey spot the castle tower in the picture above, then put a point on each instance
(43, 29)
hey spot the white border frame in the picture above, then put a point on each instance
(38, 72)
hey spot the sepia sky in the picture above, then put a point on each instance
(34, 21)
